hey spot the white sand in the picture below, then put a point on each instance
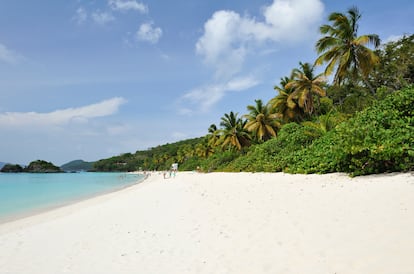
(225, 223)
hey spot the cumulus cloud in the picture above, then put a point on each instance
(228, 37)
(63, 116)
(102, 18)
(205, 97)
(125, 5)
(80, 16)
(9, 56)
(148, 33)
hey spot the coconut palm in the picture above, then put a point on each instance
(180, 156)
(324, 123)
(203, 149)
(344, 50)
(233, 133)
(262, 121)
(213, 135)
(188, 151)
(305, 86)
(280, 105)
(212, 129)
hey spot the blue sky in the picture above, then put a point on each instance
(92, 79)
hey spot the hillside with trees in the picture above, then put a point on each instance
(157, 158)
(11, 168)
(77, 165)
(360, 123)
(40, 166)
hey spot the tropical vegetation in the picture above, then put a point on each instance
(76, 166)
(356, 117)
(344, 50)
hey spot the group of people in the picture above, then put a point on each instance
(172, 172)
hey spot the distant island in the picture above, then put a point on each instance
(41, 166)
(11, 168)
(77, 165)
(38, 166)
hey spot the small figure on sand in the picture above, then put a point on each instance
(174, 169)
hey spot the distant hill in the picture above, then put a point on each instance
(41, 166)
(77, 165)
(10, 168)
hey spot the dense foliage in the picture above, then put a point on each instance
(361, 123)
(77, 165)
(396, 69)
(157, 158)
(273, 155)
(378, 139)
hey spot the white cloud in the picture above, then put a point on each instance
(205, 97)
(125, 5)
(228, 37)
(392, 38)
(148, 33)
(80, 15)
(291, 19)
(63, 116)
(102, 18)
(9, 56)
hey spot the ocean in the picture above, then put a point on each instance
(24, 193)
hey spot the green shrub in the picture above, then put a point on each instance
(376, 140)
(190, 164)
(381, 138)
(275, 154)
(219, 160)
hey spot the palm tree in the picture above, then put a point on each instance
(180, 156)
(324, 123)
(344, 49)
(188, 151)
(212, 129)
(262, 121)
(305, 85)
(213, 135)
(233, 132)
(203, 149)
(280, 103)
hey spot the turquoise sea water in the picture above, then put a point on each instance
(23, 193)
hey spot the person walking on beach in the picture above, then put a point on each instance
(174, 169)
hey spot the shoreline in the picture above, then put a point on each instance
(225, 223)
(44, 209)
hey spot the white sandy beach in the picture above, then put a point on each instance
(224, 223)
